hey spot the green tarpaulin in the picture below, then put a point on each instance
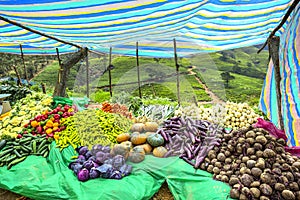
(40, 178)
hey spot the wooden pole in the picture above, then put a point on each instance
(285, 17)
(60, 67)
(138, 69)
(18, 75)
(87, 76)
(43, 88)
(273, 44)
(23, 60)
(37, 32)
(177, 70)
(109, 72)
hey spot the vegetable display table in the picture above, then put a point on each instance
(41, 178)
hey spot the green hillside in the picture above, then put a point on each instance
(246, 66)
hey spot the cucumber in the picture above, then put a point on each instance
(26, 148)
(25, 140)
(45, 147)
(2, 144)
(16, 161)
(41, 145)
(11, 158)
(3, 153)
(17, 153)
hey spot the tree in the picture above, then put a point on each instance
(226, 76)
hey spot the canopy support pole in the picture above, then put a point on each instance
(60, 67)
(43, 88)
(273, 44)
(109, 72)
(87, 76)
(286, 16)
(23, 61)
(138, 69)
(18, 75)
(60, 88)
(177, 70)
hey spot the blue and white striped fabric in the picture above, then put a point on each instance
(289, 59)
(197, 25)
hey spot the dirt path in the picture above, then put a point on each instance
(215, 98)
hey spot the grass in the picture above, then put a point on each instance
(209, 67)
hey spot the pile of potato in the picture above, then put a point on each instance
(256, 165)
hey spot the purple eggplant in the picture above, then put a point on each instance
(125, 169)
(94, 173)
(118, 161)
(83, 175)
(106, 149)
(88, 164)
(80, 159)
(82, 150)
(116, 175)
(88, 154)
(77, 168)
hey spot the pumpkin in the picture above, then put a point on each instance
(149, 133)
(127, 145)
(136, 155)
(155, 140)
(151, 126)
(123, 137)
(138, 138)
(138, 149)
(137, 127)
(120, 149)
(147, 147)
(159, 151)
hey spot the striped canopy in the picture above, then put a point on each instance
(197, 25)
(289, 58)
